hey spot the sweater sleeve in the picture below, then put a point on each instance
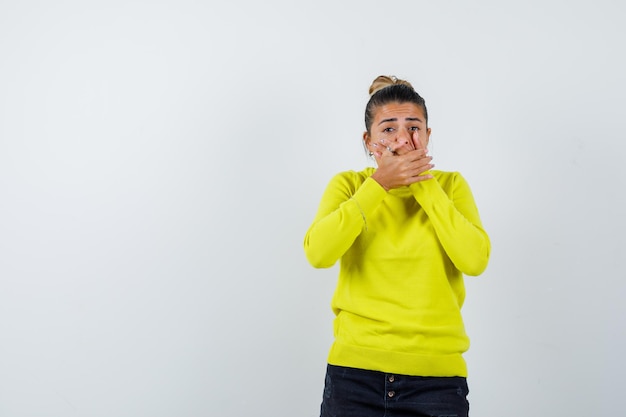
(456, 221)
(342, 215)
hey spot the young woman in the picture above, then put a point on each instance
(405, 235)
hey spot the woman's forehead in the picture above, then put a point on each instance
(399, 110)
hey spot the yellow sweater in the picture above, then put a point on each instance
(403, 255)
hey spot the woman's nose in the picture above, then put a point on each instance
(403, 137)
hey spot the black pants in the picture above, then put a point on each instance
(350, 392)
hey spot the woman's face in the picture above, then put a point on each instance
(400, 125)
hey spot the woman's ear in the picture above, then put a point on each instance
(366, 142)
(427, 137)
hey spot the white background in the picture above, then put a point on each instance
(160, 162)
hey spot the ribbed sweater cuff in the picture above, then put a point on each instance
(430, 189)
(369, 195)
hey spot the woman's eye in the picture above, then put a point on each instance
(388, 129)
(414, 128)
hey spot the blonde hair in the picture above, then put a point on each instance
(383, 81)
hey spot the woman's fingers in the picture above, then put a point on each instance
(382, 149)
(415, 137)
(398, 166)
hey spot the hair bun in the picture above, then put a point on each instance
(383, 81)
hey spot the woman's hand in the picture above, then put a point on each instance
(401, 164)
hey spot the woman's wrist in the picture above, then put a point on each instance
(379, 181)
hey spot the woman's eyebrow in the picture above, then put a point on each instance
(395, 119)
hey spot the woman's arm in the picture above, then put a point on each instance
(342, 215)
(456, 221)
